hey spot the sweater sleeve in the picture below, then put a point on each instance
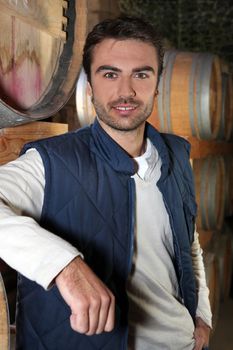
(25, 245)
(203, 306)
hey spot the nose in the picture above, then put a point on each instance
(126, 89)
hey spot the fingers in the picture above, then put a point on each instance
(80, 322)
(94, 317)
(107, 314)
(79, 319)
(109, 325)
(198, 346)
(199, 342)
(201, 334)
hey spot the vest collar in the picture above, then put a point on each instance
(162, 149)
(109, 150)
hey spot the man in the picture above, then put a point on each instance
(103, 218)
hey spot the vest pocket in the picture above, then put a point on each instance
(63, 337)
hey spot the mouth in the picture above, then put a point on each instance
(125, 109)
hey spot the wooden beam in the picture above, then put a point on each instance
(203, 148)
(13, 139)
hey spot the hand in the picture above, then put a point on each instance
(201, 334)
(92, 303)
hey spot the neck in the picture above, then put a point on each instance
(131, 141)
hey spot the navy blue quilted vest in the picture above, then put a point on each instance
(90, 201)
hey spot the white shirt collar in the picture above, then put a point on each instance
(142, 161)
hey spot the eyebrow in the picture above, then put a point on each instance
(135, 70)
(106, 67)
(144, 69)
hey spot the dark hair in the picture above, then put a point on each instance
(121, 28)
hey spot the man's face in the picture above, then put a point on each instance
(123, 82)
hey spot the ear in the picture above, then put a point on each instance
(89, 89)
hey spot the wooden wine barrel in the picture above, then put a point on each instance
(85, 109)
(212, 279)
(209, 179)
(41, 51)
(190, 95)
(9, 277)
(4, 319)
(228, 160)
(222, 247)
(206, 237)
(224, 253)
(226, 121)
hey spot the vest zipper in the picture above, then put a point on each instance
(132, 195)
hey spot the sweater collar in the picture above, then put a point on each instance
(109, 150)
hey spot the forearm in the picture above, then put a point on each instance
(25, 246)
(34, 252)
(203, 306)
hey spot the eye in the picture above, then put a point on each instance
(141, 75)
(110, 75)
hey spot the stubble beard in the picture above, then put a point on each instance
(123, 123)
